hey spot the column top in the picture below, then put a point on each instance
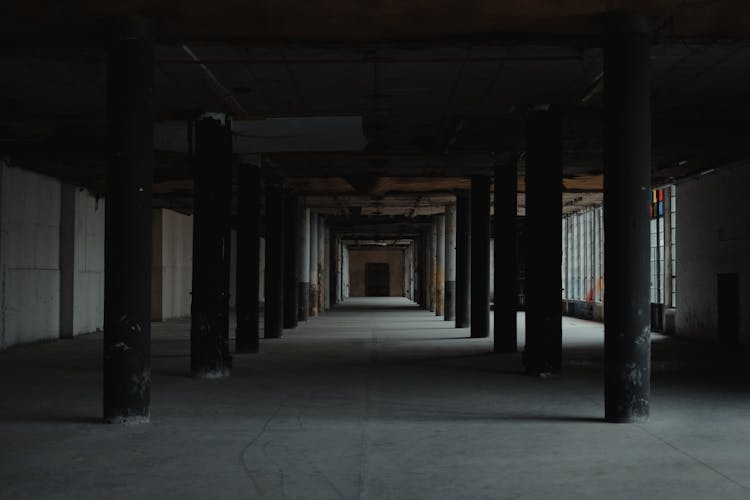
(132, 28)
(620, 22)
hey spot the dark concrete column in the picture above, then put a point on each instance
(432, 252)
(303, 267)
(506, 258)
(291, 262)
(335, 270)
(248, 255)
(424, 270)
(627, 183)
(543, 353)
(328, 268)
(480, 256)
(440, 265)
(449, 308)
(463, 259)
(313, 266)
(127, 244)
(273, 312)
(209, 332)
(416, 270)
(320, 276)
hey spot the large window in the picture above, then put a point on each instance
(583, 251)
(583, 247)
(663, 258)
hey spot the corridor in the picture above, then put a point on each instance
(374, 399)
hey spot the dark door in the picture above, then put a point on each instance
(728, 309)
(377, 279)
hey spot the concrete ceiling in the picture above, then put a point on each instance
(437, 90)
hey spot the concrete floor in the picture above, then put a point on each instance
(376, 399)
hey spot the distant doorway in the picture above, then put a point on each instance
(377, 279)
(728, 308)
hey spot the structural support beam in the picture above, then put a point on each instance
(433, 265)
(424, 273)
(248, 255)
(463, 259)
(335, 270)
(321, 258)
(303, 268)
(313, 266)
(273, 312)
(127, 245)
(440, 266)
(627, 183)
(209, 332)
(328, 269)
(291, 262)
(506, 257)
(449, 288)
(543, 353)
(480, 256)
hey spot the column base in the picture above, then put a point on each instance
(129, 420)
(303, 304)
(213, 373)
(313, 300)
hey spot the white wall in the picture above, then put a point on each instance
(81, 262)
(713, 236)
(172, 264)
(29, 256)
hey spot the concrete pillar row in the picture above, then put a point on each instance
(335, 274)
(440, 265)
(328, 268)
(432, 252)
(425, 273)
(627, 188)
(506, 257)
(480, 256)
(303, 267)
(248, 255)
(209, 332)
(463, 259)
(321, 271)
(127, 245)
(450, 264)
(313, 294)
(543, 352)
(291, 261)
(273, 321)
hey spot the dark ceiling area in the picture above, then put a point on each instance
(415, 96)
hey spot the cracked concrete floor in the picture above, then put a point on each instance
(376, 399)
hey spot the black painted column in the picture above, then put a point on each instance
(291, 294)
(440, 266)
(480, 256)
(424, 255)
(506, 259)
(543, 352)
(627, 188)
(248, 256)
(463, 259)
(273, 313)
(450, 263)
(127, 244)
(212, 171)
(303, 263)
(333, 269)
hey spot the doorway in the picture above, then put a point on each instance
(728, 308)
(377, 279)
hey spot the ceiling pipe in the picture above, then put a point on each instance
(236, 109)
(368, 60)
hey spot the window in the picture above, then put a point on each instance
(583, 251)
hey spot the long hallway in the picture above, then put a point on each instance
(374, 399)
